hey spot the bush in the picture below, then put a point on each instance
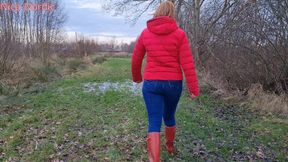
(76, 64)
(4, 89)
(8, 90)
(45, 73)
(99, 60)
(267, 102)
(55, 60)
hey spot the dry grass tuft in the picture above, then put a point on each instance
(26, 71)
(266, 101)
(219, 86)
(255, 96)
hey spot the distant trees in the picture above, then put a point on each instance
(125, 47)
(28, 33)
(240, 42)
(84, 46)
(37, 33)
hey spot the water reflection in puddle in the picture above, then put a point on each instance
(101, 88)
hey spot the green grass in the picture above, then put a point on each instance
(66, 123)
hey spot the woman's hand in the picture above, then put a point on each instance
(138, 81)
(192, 96)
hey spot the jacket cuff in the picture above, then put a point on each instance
(137, 79)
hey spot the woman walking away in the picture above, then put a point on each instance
(168, 53)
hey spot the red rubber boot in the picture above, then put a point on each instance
(170, 137)
(153, 146)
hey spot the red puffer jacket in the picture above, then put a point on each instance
(168, 51)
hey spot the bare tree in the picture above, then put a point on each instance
(28, 33)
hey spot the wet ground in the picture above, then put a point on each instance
(102, 88)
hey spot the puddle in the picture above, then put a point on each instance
(101, 88)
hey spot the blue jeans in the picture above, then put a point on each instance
(161, 98)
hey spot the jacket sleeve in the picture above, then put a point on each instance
(137, 59)
(187, 65)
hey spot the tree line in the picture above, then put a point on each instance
(28, 33)
(83, 46)
(38, 33)
(238, 42)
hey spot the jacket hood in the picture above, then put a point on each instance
(162, 25)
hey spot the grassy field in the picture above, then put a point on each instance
(65, 122)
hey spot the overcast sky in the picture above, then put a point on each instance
(89, 17)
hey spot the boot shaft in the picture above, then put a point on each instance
(170, 133)
(153, 146)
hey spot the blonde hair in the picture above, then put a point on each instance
(166, 8)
